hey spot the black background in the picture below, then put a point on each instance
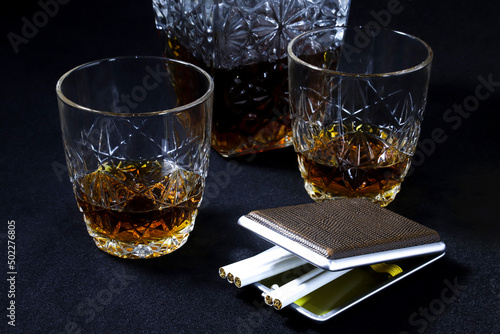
(453, 189)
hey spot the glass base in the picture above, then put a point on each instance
(383, 198)
(126, 250)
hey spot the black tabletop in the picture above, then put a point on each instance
(64, 284)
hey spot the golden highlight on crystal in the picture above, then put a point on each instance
(360, 163)
(139, 209)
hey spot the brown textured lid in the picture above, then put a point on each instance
(344, 228)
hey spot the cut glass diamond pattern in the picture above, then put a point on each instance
(354, 103)
(238, 32)
(123, 187)
(142, 251)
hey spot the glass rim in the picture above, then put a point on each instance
(417, 67)
(209, 92)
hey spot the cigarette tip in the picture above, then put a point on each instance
(222, 273)
(230, 278)
(268, 300)
(237, 282)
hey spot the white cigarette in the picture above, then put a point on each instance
(288, 287)
(272, 254)
(245, 276)
(307, 287)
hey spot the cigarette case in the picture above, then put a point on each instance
(345, 234)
